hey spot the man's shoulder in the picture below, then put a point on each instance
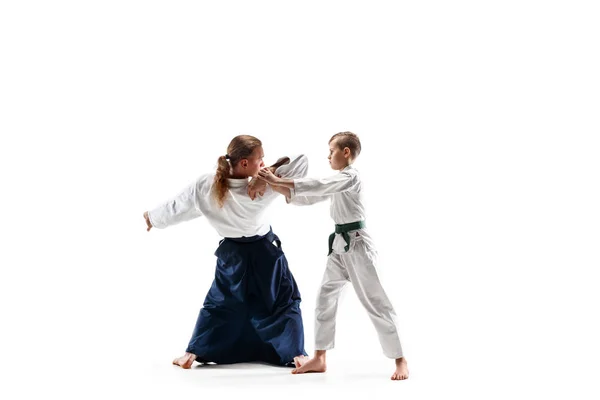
(205, 181)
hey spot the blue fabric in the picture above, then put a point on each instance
(252, 310)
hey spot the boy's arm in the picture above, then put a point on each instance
(303, 200)
(266, 175)
(337, 183)
(290, 198)
(296, 167)
(282, 190)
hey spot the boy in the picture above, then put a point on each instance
(352, 256)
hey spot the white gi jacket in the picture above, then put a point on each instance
(240, 216)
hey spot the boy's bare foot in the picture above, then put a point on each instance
(401, 372)
(185, 361)
(316, 364)
(300, 361)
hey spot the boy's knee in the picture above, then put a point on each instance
(324, 313)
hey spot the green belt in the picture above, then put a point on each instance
(344, 229)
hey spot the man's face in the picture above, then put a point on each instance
(255, 162)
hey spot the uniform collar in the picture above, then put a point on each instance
(235, 183)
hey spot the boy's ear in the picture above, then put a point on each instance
(244, 163)
(347, 152)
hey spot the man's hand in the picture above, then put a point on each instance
(256, 186)
(148, 223)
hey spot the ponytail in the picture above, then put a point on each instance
(220, 185)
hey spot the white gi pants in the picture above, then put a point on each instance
(357, 266)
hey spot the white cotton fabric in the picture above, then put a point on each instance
(240, 216)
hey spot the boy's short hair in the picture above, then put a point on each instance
(349, 140)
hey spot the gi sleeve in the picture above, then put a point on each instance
(338, 183)
(304, 200)
(296, 168)
(183, 207)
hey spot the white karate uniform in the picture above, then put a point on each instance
(240, 216)
(357, 265)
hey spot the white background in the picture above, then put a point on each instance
(479, 123)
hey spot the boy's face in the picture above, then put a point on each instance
(338, 158)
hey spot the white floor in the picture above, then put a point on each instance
(139, 377)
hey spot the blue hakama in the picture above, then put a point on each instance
(252, 310)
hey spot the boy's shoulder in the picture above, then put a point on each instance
(350, 170)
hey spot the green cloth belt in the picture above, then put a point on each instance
(344, 229)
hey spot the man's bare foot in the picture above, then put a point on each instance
(185, 361)
(316, 364)
(401, 372)
(300, 361)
